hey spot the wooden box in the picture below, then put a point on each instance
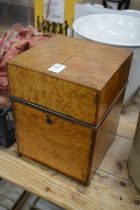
(68, 120)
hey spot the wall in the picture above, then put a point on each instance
(135, 4)
(18, 2)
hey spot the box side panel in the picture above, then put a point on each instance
(105, 134)
(61, 145)
(56, 94)
(113, 87)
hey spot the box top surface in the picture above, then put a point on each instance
(87, 63)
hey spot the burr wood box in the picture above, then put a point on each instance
(67, 120)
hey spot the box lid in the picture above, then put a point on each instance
(84, 90)
(87, 63)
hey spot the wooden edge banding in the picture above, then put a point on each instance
(68, 118)
(92, 147)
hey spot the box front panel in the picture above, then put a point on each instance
(56, 94)
(60, 144)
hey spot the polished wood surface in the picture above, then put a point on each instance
(94, 77)
(58, 95)
(113, 87)
(61, 145)
(84, 89)
(110, 189)
(72, 149)
(87, 63)
(105, 134)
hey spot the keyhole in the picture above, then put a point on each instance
(49, 121)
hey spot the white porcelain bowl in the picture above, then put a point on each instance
(118, 30)
(114, 29)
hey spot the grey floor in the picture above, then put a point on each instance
(35, 203)
(13, 197)
(9, 195)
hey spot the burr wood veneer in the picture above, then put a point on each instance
(67, 120)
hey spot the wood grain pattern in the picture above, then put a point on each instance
(10, 191)
(92, 71)
(105, 135)
(110, 189)
(113, 87)
(70, 148)
(9, 195)
(105, 192)
(6, 203)
(62, 145)
(87, 63)
(58, 95)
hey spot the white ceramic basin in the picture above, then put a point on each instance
(115, 29)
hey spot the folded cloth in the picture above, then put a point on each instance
(15, 41)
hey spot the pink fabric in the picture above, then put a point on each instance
(15, 41)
